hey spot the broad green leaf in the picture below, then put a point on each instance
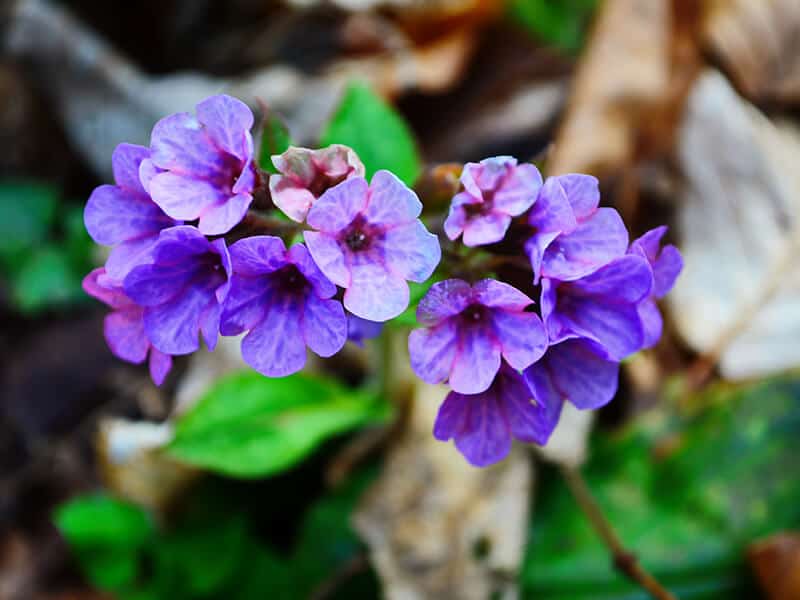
(559, 22)
(685, 494)
(27, 211)
(99, 520)
(47, 278)
(275, 139)
(249, 425)
(377, 133)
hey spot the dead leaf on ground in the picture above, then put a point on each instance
(437, 527)
(776, 563)
(738, 223)
(757, 42)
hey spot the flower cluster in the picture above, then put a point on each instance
(182, 267)
(510, 363)
(194, 257)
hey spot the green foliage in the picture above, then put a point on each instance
(377, 133)
(212, 551)
(559, 22)
(685, 494)
(44, 247)
(275, 139)
(408, 318)
(249, 425)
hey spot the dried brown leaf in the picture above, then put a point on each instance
(776, 563)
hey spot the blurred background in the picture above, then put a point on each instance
(687, 110)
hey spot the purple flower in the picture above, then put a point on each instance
(123, 215)
(470, 329)
(482, 425)
(575, 370)
(307, 174)
(601, 307)
(124, 327)
(181, 290)
(206, 164)
(359, 329)
(369, 241)
(667, 264)
(495, 190)
(568, 247)
(285, 303)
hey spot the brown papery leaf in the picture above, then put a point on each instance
(776, 563)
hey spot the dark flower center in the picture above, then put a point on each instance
(291, 279)
(228, 172)
(474, 313)
(322, 182)
(359, 235)
(481, 208)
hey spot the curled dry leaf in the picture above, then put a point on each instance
(738, 298)
(776, 563)
(437, 527)
(757, 43)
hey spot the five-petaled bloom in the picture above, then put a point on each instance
(369, 240)
(123, 215)
(285, 303)
(124, 326)
(182, 289)
(470, 329)
(495, 190)
(202, 167)
(307, 174)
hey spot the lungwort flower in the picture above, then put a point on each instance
(202, 167)
(495, 190)
(124, 326)
(123, 215)
(307, 174)
(181, 290)
(369, 240)
(284, 302)
(470, 329)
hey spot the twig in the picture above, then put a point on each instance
(624, 561)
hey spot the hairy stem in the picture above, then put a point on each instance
(624, 561)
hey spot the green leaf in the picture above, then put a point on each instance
(408, 318)
(559, 22)
(275, 139)
(99, 520)
(685, 494)
(249, 425)
(47, 278)
(377, 133)
(27, 211)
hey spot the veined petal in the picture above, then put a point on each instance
(391, 202)
(486, 229)
(128, 255)
(583, 193)
(174, 326)
(226, 120)
(522, 337)
(432, 351)
(616, 327)
(124, 333)
(552, 211)
(626, 279)
(258, 255)
(328, 256)
(114, 214)
(275, 346)
(160, 366)
(339, 205)
(301, 257)
(411, 251)
(666, 270)
(374, 293)
(125, 162)
(246, 302)
(217, 219)
(444, 299)
(519, 190)
(182, 196)
(324, 325)
(497, 294)
(179, 143)
(652, 322)
(477, 359)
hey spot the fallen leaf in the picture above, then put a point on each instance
(437, 527)
(776, 562)
(738, 298)
(757, 44)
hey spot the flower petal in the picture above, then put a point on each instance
(583, 193)
(160, 366)
(432, 351)
(300, 256)
(535, 248)
(174, 326)
(290, 197)
(522, 337)
(552, 210)
(529, 422)
(124, 333)
(626, 279)
(486, 229)
(247, 300)
(114, 214)
(456, 220)
(651, 322)
(182, 196)
(125, 162)
(180, 144)
(375, 294)
(227, 122)
(477, 359)
(391, 202)
(444, 299)
(666, 270)
(411, 251)
(519, 190)
(258, 255)
(209, 324)
(484, 437)
(127, 255)
(595, 242)
(275, 346)
(328, 256)
(497, 294)
(339, 205)
(324, 325)
(218, 219)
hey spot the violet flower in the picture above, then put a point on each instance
(601, 307)
(124, 328)
(576, 371)
(495, 190)
(123, 215)
(181, 290)
(470, 329)
(567, 248)
(206, 164)
(483, 425)
(369, 240)
(284, 302)
(667, 264)
(307, 174)
(359, 329)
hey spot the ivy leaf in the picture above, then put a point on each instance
(249, 425)
(686, 494)
(46, 278)
(275, 139)
(377, 133)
